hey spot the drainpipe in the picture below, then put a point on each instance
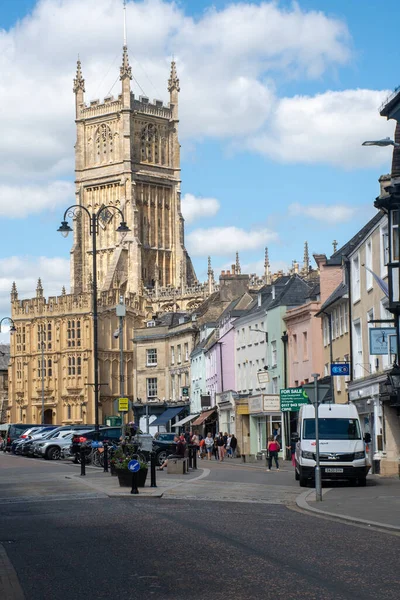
(329, 315)
(348, 276)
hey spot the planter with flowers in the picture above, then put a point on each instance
(119, 464)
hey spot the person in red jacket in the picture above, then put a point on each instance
(273, 449)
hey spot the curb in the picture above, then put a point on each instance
(10, 587)
(155, 494)
(302, 503)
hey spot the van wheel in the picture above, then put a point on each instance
(302, 481)
(362, 481)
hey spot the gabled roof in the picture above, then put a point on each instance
(294, 293)
(336, 258)
(341, 290)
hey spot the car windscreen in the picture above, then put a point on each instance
(332, 429)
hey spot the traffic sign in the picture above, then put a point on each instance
(340, 369)
(123, 404)
(133, 466)
(292, 398)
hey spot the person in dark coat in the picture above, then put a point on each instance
(233, 446)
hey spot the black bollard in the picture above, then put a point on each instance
(190, 457)
(153, 469)
(105, 456)
(194, 457)
(83, 460)
(134, 489)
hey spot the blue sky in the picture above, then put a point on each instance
(271, 120)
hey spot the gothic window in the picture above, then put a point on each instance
(104, 142)
(49, 368)
(152, 145)
(69, 412)
(71, 365)
(74, 333)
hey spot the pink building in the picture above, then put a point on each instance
(305, 348)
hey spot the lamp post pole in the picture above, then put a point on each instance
(65, 229)
(318, 487)
(93, 231)
(121, 312)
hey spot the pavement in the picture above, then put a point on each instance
(376, 505)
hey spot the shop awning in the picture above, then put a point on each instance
(204, 415)
(166, 416)
(185, 420)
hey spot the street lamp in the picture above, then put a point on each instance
(382, 143)
(13, 329)
(73, 211)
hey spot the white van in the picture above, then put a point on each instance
(342, 452)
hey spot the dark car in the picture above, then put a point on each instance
(14, 431)
(163, 446)
(106, 434)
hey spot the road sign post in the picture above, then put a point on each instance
(317, 392)
(134, 466)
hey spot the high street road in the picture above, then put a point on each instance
(62, 539)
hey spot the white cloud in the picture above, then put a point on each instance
(25, 271)
(224, 240)
(331, 214)
(23, 200)
(194, 208)
(224, 63)
(327, 128)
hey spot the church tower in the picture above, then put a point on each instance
(128, 156)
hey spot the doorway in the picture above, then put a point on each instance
(48, 416)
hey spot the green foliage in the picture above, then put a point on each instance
(123, 455)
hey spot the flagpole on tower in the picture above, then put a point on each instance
(124, 22)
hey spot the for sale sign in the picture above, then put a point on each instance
(292, 398)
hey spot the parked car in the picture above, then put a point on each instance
(106, 434)
(163, 446)
(14, 431)
(51, 448)
(17, 445)
(26, 447)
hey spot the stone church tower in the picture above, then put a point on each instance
(127, 156)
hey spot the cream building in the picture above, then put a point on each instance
(127, 158)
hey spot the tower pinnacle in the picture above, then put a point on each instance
(238, 269)
(267, 273)
(173, 81)
(79, 82)
(125, 69)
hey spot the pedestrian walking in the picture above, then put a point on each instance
(221, 446)
(209, 444)
(233, 445)
(292, 448)
(195, 441)
(228, 446)
(215, 448)
(273, 449)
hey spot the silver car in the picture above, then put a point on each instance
(51, 448)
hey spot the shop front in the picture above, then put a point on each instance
(365, 395)
(265, 421)
(226, 411)
(242, 426)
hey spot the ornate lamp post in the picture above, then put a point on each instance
(13, 329)
(73, 211)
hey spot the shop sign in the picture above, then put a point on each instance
(256, 404)
(271, 403)
(242, 410)
(292, 398)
